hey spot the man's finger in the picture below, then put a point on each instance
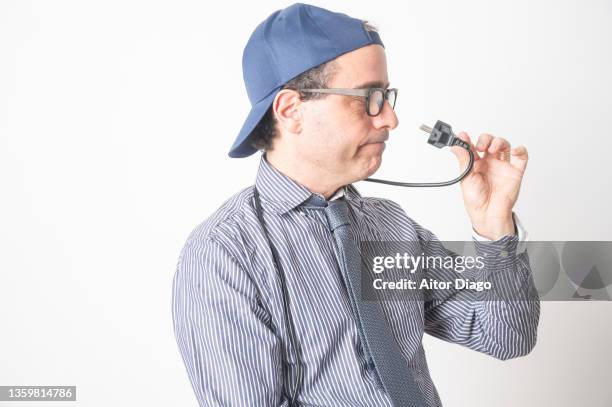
(498, 144)
(484, 141)
(521, 155)
(461, 153)
(472, 146)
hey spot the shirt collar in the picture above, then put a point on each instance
(284, 194)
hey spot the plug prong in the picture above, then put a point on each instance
(426, 128)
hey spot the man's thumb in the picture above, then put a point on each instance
(461, 153)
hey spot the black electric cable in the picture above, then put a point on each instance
(440, 136)
(295, 390)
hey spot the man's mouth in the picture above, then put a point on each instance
(377, 141)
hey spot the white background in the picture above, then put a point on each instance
(115, 122)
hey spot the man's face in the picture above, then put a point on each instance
(337, 135)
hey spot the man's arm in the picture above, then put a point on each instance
(231, 355)
(501, 322)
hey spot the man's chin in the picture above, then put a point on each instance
(373, 165)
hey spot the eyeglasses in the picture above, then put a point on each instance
(375, 97)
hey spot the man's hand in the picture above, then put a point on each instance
(492, 187)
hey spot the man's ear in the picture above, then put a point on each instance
(287, 107)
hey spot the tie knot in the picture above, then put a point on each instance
(337, 214)
(315, 200)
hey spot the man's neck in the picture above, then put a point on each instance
(312, 178)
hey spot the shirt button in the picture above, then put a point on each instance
(504, 253)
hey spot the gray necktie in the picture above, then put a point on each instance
(374, 330)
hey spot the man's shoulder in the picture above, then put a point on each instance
(217, 248)
(225, 224)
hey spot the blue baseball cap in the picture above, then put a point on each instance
(287, 43)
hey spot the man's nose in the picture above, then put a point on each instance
(386, 118)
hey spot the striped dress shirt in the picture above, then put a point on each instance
(227, 302)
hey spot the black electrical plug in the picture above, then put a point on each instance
(442, 135)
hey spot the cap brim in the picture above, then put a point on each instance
(242, 147)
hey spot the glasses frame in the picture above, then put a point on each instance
(359, 92)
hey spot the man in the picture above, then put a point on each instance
(264, 302)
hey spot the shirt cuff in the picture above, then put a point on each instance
(522, 234)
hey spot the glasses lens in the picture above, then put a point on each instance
(392, 97)
(377, 99)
